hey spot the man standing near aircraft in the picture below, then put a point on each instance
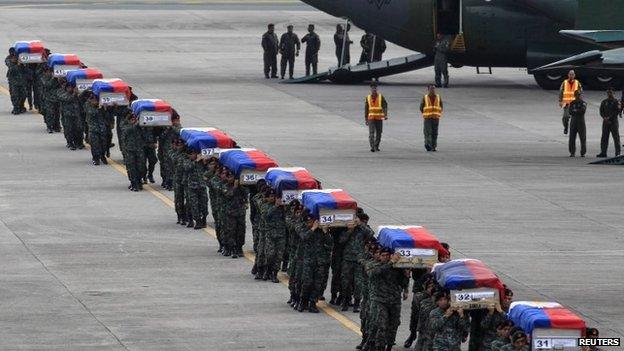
(375, 112)
(313, 45)
(441, 47)
(566, 96)
(431, 108)
(576, 111)
(289, 47)
(270, 46)
(609, 111)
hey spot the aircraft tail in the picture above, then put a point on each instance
(600, 14)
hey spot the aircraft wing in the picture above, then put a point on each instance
(595, 62)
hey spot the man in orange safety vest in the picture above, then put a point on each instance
(375, 112)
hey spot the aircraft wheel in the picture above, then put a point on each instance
(549, 81)
(602, 82)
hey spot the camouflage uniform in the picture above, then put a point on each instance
(37, 87)
(418, 295)
(300, 227)
(276, 237)
(198, 196)
(386, 286)
(498, 343)
(488, 327)
(262, 207)
(336, 263)
(367, 263)
(234, 211)
(150, 152)
(70, 117)
(353, 243)
(51, 104)
(165, 140)
(214, 192)
(316, 262)
(133, 153)
(96, 120)
(425, 334)
(16, 75)
(449, 331)
(29, 79)
(292, 221)
(177, 157)
(254, 216)
(510, 347)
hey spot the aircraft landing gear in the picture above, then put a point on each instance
(602, 82)
(549, 81)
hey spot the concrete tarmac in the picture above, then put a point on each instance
(88, 265)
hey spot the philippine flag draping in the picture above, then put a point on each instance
(533, 314)
(112, 85)
(238, 160)
(63, 59)
(206, 138)
(151, 105)
(83, 73)
(29, 47)
(416, 237)
(290, 178)
(336, 199)
(467, 274)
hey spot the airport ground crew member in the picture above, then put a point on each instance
(609, 111)
(289, 47)
(375, 112)
(566, 96)
(313, 45)
(441, 48)
(577, 109)
(431, 108)
(343, 55)
(270, 46)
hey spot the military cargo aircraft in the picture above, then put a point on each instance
(547, 37)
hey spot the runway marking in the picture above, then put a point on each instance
(249, 255)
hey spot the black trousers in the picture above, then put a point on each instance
(610, 127)
(311, 61)
(375, 128)
(577, 127)
(270, 64)
(287, 59)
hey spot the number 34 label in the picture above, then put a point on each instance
(327, 219)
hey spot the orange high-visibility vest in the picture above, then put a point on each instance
(432, 110)
(569, 90)
(375, 110)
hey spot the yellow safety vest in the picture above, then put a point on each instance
(432, 110)
(375, 109)
(569, 90)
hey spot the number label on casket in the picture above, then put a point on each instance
(327, 219)
(542, 343)
(113, 99)
(463, 297)
(30, 57)
(474, 296)
(251, 177)
(83, 86)
(289, 196)
(207, 152)
(415, 252)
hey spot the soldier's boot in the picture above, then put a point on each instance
(234, 252)
(104, 160)
(356, 306)
(389, 347)
(291, 299)
(240, 251)
(190, 224)
(344, 305)
(227, 252)
(254, 269)
(203, 222)
(198, 224)
(332, 301)
(259, 273)
(313, 308)
(295, 301)
(182, 219)
(179, 219)
(150, 177)
(267, 274)
(303, 305)
(274, 277)
(339, 300)
(410, 340)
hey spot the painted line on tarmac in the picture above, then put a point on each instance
(249, 255)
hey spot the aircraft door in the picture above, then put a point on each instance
(448, 16)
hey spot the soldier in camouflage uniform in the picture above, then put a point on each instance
(70, 116)
(425, 335)
(133, 153)
(494, 316)
(29, 79)
(519, 342)
(37, 86)
(366, 262)
(97, 121)
(235, 209)
(150, 154)
(336, 266)
(502, 335)
(16, 75)
(177, 155)
(187, 168)
(352, 240)
(301, 228)
(316, 263)
(262, 205)
(165, 143)
(196, 190)
(214, 184)
(387, 286)
(292, 220)
(276, 236)
(449, 325)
